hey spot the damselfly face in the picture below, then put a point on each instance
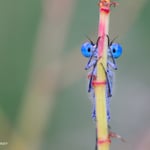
(116, 50)
(87, 49)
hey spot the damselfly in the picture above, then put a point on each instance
(90, 50)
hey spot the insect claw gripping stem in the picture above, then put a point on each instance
(97, 42)
(108, 82)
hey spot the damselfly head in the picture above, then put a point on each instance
(116, 50)
(87, 49)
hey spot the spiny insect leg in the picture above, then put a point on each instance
(91, 77)
(108, 82)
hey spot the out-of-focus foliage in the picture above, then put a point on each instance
(43, 99)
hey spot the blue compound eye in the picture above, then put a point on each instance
(116, 50)
(86, 49)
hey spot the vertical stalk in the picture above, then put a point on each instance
(100, 90)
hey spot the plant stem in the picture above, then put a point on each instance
(100, 90)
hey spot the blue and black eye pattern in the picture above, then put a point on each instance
(87, 49)
(116, 50)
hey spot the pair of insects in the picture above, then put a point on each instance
(90, 50)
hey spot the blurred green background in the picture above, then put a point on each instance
(43, 100)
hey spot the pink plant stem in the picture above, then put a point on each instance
(100, 89)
